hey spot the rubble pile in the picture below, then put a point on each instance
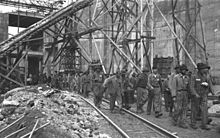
(214, 109)
(62, 110)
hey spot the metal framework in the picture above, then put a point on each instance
(124, 29)
(189, 18)
(38, 6)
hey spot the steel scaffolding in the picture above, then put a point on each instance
(125, 28)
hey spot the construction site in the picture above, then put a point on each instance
(40, 37)
(117, 33)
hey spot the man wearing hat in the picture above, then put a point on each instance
(201, 85)
(155, 83)
(180, 97)
(142, 92)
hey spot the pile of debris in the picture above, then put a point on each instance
(49, 113)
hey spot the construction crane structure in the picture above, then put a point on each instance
(118, 33)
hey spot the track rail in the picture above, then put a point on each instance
(124, 134)
(151, 124)
(131, 124)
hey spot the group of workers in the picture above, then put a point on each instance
(186, 88)
(181, 90)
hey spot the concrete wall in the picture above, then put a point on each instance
(211, 18)
(210, 13)
(3, 26)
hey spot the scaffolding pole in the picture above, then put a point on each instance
(141, 40)
(151, 6)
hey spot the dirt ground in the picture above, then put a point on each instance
(165, 122)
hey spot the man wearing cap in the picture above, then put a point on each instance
(154, 81)
(180, 97)
(201, 85)
(142, 91)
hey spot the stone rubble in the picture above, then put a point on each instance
(214, 109)
(64, 111)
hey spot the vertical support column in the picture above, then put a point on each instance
(26, 65)
(54, 47)
(190, 16)
(195, 28)
(18, 17)
(90, 34)
(136, 44)
(113, 64)
(80, 59)
(125, 45)
(151, 22)
(174, 29)
(40, 66)
(106, 46)
(141, 33)
(203, 34)
(7, 62)
(187, 22)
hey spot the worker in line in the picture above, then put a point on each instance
(54, 80)
(170, 85)
(126, 89)
(80, 83)
(106, 90)
(167, 94)
(64, 81)
(85, 84)
(90, 79)
(29, 79)
(150, 101)
(60, 78)
(155, 84)
(72, 81)
(180, 97)
(201, 86)
(44, 78)
(41, 78)
(133, 83)
(114, 86)
(142, 90)
(98, 88)
(77, 79)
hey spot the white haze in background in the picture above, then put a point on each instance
(7, 9)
